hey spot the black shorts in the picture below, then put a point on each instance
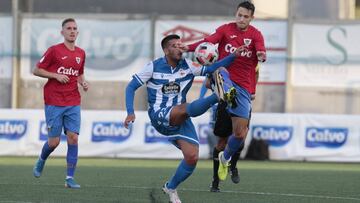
(223, 123)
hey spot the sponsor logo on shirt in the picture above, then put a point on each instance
(12, 129)
(170, 88)
(110, 131)
(68, 71)
(274, 135)
(232, 36)
(326, 137)
(64, 57)
(153, 136)
(245, 53)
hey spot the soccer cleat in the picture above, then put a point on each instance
(218, 85)
(223, 167)
(227, 94)
(234, 174)
(70, 183)
(230, 97)
(38, 168)
(215, 186)
(173, 196)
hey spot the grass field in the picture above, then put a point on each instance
(121, 180)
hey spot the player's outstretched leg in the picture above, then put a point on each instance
(223, 87)
(40, 163)
(200, 106)
(215, 181)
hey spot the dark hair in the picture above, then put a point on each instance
(66, 21)
(166, 39)
(248, 5)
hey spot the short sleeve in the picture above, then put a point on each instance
(46, 59)
(259, 42)
(145, 74)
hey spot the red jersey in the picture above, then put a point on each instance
(59, 59)
(229, 38)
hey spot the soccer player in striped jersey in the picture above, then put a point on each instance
(168, 79)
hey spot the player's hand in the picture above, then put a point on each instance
(128, 120)
(183, 47)
(85, 85)
(253, 97)
(261, 56)
(239, 50)
(62, 78)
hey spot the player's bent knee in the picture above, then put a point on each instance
(241, 133)
(191, 159)
(72, 138)
(53, 143)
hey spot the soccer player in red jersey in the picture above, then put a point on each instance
(63, 65)
(241, 74)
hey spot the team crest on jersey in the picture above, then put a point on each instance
(247, 41)
(78, 59)
(182, 72)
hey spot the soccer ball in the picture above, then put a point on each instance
(206, 53)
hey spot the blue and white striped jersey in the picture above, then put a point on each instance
(167, 86)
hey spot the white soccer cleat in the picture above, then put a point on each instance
(174, 197)
(218, 85)
(227, 94)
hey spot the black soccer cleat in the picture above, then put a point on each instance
(234, 173)
(214, 186)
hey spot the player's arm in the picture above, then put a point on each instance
(225, 62)
(213, 38)
(45, 62)
(50, 75)
(138, 80)
(260, 48)
(257, 73)
(81, 79)
(84, 84)
(129, 100)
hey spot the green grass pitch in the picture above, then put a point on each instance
(122, 180)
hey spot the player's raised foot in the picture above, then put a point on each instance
(223, 167)
(230, 96)
(38, 168)
(173, 196)
(218, 85)
(70, 183)
(214, 186)
(234, 174)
